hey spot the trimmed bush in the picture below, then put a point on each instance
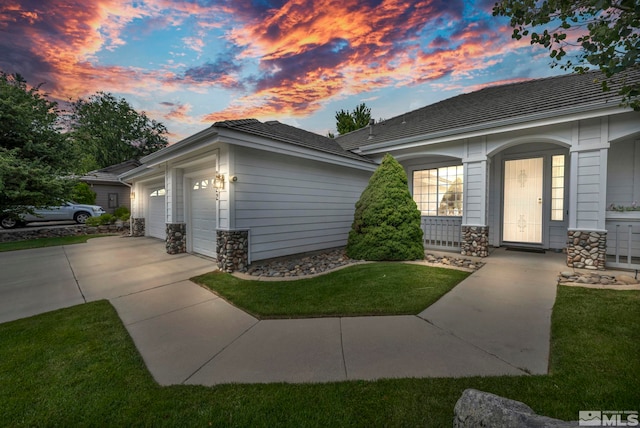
(93, 221)
(386, 224)
(82, 194)
(106, 219)
(122, 213)
(103, 220)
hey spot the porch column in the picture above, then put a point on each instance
(475, 226)
(176, 241)
(232, 250)
(587, 234)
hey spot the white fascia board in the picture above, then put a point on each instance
(139, 173)
(496, 127)
(136, 172)
(187, 145)
(266, 144)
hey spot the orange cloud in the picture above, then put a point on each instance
(58, 40)
(282, 61)
(373, 57)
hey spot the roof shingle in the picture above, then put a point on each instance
(517, 101)
(289, 134)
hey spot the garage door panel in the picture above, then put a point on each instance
(203, 218)
(155, 222)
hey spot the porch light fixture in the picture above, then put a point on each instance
(133, 195)
(218, 182)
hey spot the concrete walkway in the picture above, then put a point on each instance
(496, 322)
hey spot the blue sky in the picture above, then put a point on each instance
(188, 64)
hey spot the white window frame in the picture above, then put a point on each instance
(430, 198)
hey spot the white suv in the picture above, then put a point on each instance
(67, 211)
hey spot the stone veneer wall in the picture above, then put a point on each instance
(586, 250)
(45, 232)
(176, 238)
(138, 227)
(475, 241)
(232, 249)
(58, 231)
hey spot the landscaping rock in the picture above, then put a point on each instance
(310, 264)
(482, 409)
(593, 278)
(453, 261)
(306, 264)
(627, 279)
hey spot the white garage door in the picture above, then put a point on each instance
(203, 217)
(155, 222)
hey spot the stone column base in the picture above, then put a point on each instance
(232, 249)
(475, 241)
(176, 238)
(138, 227)
(587, 249)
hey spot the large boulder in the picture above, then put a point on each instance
(481, 409)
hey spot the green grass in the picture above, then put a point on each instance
(368, 289)
(79, 367)
(46, 242)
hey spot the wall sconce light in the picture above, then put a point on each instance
(218, 182)
(133, 195)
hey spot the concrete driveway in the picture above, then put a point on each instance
(496, 322)
(44, 279)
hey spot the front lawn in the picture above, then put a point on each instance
(368, 289)
(46, 242)
(79, 367)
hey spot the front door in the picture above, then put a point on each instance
(522, 220)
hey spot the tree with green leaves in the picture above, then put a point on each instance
(110, 131)
(350, 121)
(35, 157)
(386, 223)
(607, 32)
(83, 194)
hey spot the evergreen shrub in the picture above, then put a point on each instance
(386, 224)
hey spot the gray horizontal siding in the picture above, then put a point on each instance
(293, 205)
(102, 195)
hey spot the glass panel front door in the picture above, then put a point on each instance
(522, 220)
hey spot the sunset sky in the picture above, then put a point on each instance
(188, 64)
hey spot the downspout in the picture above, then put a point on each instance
(130, 216)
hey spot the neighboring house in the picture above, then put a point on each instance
(111, 193)
(531, 165)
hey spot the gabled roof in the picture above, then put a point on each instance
(110, 174)
(489, 107)
(289, 134)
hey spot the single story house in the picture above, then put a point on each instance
(534, 165)
(111, 193)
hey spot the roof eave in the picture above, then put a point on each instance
(254, 141)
